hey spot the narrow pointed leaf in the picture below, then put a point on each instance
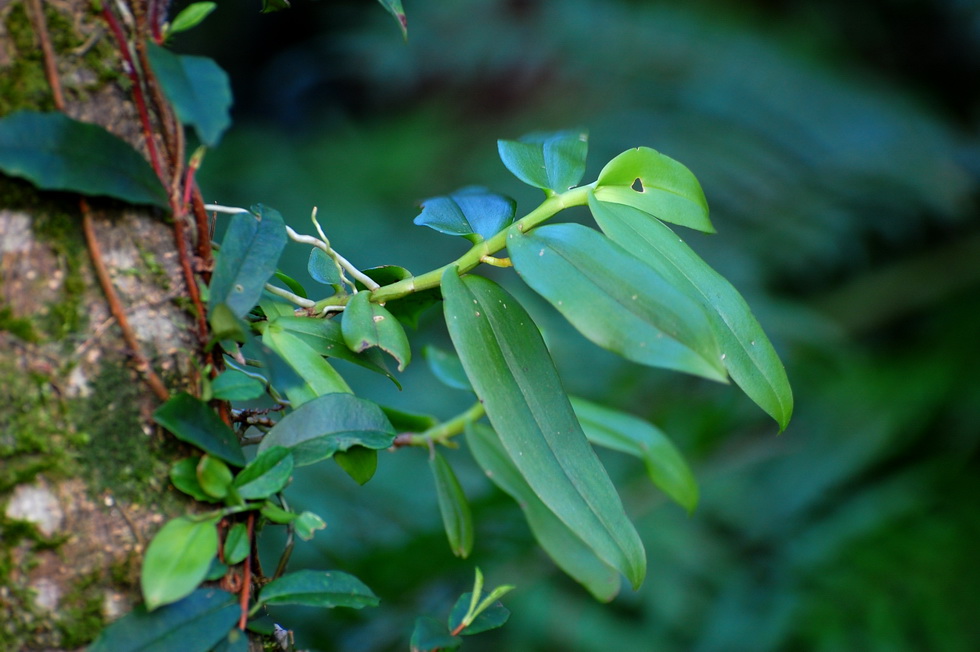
(471, 211)
(318, 589)
(319, 377)
(327, 424)
(667, 190)
(747, 353)
(54, 152)
(294, 286)
(177, 560)
(491, 618)
(358, 462)
(266, 475)
(191, 420)
(394, 8)
(616, 300)
(237, 544)
(366, 325)
(550, 161)
(512, 372)
(249, 253)
(191, 16)
(455, 510)
(628, 434)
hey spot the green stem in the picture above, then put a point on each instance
(447, 429)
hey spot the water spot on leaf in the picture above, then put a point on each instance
(638, 185)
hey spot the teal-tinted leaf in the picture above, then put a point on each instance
(177, 560)
(472, 211)
(294, 286)
(562, 544)
(550, 161)
(327, 424)
(629, 434)
(322, 268)
(366, 325)
(216, 571)
(197, 87)
(233, 385)
(403, 421)
(237, 544)
(491, 618)
(512, 372)
(394, 7)
(214, 476)
(191, 16)
(430, 635)
(456, 517)
(226, 325)
(191, 420)
(358, 462)
(318, 376)
(616, 300)
(266, 475)
(54, 152)
(249, 253)
(657, 185)
(184, 476)
(447, 368)
(306, 524)
(318, 589)
(746, 351)
(195, 624)
(235, 641)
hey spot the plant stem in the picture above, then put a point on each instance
(447, 429)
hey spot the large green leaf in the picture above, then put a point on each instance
(195, 624)
(327, 424)
(657, 185)
(318, 376)
(367, 325)
(456, 517)
(197, 87)
(249, 253)
(562, 544)
(54, 152)
(473, 212)
(616, 300)
(177, 560)
(550, 161)
(190, 419)
(629, 434)
(318, 589)
(746, 351)
(512, 372)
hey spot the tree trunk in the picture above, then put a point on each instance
(83, 469)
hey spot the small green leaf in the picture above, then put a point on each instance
(214, 476)
(616, 300)
(327, 424)
(403, 421)
(226, 325)
(306, 524)
(233, 385)
(366, 324)
(319, 377)
(456, 517)
(269, 6)
(394, 8)
(491, 618)
(237, 544)
(431, 635)
(198, 89)
(628, 434)
(667, 190)
(249, 253)
(294, 286)
(266, 475)
(472, 211)
(54, 152)
(184, 476)
(195, 624)
(318, 589)
(191, 16)
(550, 161)
(191, 420)
(446, 367)
(177, 560)
(277, 514)
(322, 268)
(358, 462)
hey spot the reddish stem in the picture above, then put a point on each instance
(246, 589)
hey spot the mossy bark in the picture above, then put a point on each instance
(83, 469)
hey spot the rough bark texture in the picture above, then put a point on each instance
(83, 471)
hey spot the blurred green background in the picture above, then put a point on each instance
(837, 145)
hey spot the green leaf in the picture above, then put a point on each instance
(191, 16)
(615, 299)
(358, 462)
(294, 286)
(403, 421)
(191, 420)
(322, 268)
(177, 560)
(456, 517)
(266, 475)
(237, 544)
(746, 351)
(657, 185)
(213, 476)
(184, 476)
(319, 377)
(491, 618)
(366, 325)
(475, 212)
(277, 514)
(235, 641)
(249, 253)
(447, 368)
(233, 385)
(327, 424)
(394, 7)
(562, 544)
(306, 524)
(628, 434)
(198, 89)
(269, 6)
(226, 325)
(430, 635)
(512, 372)
(54, 152)
(318, 589)
(195, 624)
(409, 308)
(550, 161)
